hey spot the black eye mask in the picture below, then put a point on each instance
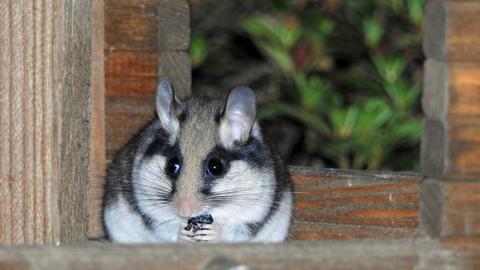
(195, 223)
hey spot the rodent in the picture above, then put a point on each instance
(201, 156)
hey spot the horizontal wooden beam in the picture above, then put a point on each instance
(450, 208)
(347, 204)
(365, 254)
(451, 30)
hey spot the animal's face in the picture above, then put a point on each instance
(206, 157)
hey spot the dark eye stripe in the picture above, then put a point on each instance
(160, 145)
(253, 152)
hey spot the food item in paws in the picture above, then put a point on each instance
(195, 223)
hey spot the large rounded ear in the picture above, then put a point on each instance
(238, 117)
(165, 103)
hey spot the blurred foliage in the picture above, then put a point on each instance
(347, 72)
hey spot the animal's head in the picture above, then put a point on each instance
(205, 156)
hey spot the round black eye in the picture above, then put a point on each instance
(214, 167)
(173, 167)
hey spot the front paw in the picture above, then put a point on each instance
(209, 233)
(185, 236)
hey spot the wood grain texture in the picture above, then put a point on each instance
(452, 30)
(435, 92)
(44, 120)
(174, 25)
(144, 40)
(97, 121)
(131, 74)
(147, 25)
(75, 124)
(124, 117)
(450, 208)
(176, 66)
(366, 254)
(136, 74)
(451, 148)
(339, 204)
(29, 140)
(451, 89)
(451, 95)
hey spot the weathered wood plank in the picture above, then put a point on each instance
(451, 148)
(452, 30)
(451, 98)
(44, 120)
(354, 204)
(308, 231)
(451, 90)
(176, 67)
(136, 73)
(450, 208)
(174, 27)
(145, 40)
(75, 124)
(367, 254)
(97, 120)
(435, 92)
(131, 73)
(124, 116)
(147, 25)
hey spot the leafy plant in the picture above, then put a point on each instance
(345, 74)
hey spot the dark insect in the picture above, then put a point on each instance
(195, 223)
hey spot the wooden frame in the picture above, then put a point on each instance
(53, 81)
(44, 120)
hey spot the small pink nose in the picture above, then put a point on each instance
(188, 207)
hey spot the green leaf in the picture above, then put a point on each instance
(270, 30)
(309, 119)
(415, 11)
(198, 50)
(280, 57)
(373, 32)
(389, 69)
(410, 129)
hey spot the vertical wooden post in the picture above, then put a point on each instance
(450, 207)
(44, 120)
(97, 134)
(451, 96)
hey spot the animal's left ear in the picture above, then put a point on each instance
(238, 117)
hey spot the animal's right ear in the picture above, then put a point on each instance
(166, 103)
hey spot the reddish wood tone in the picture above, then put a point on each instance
(131, 73)
(336, 204)
(144, 40)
